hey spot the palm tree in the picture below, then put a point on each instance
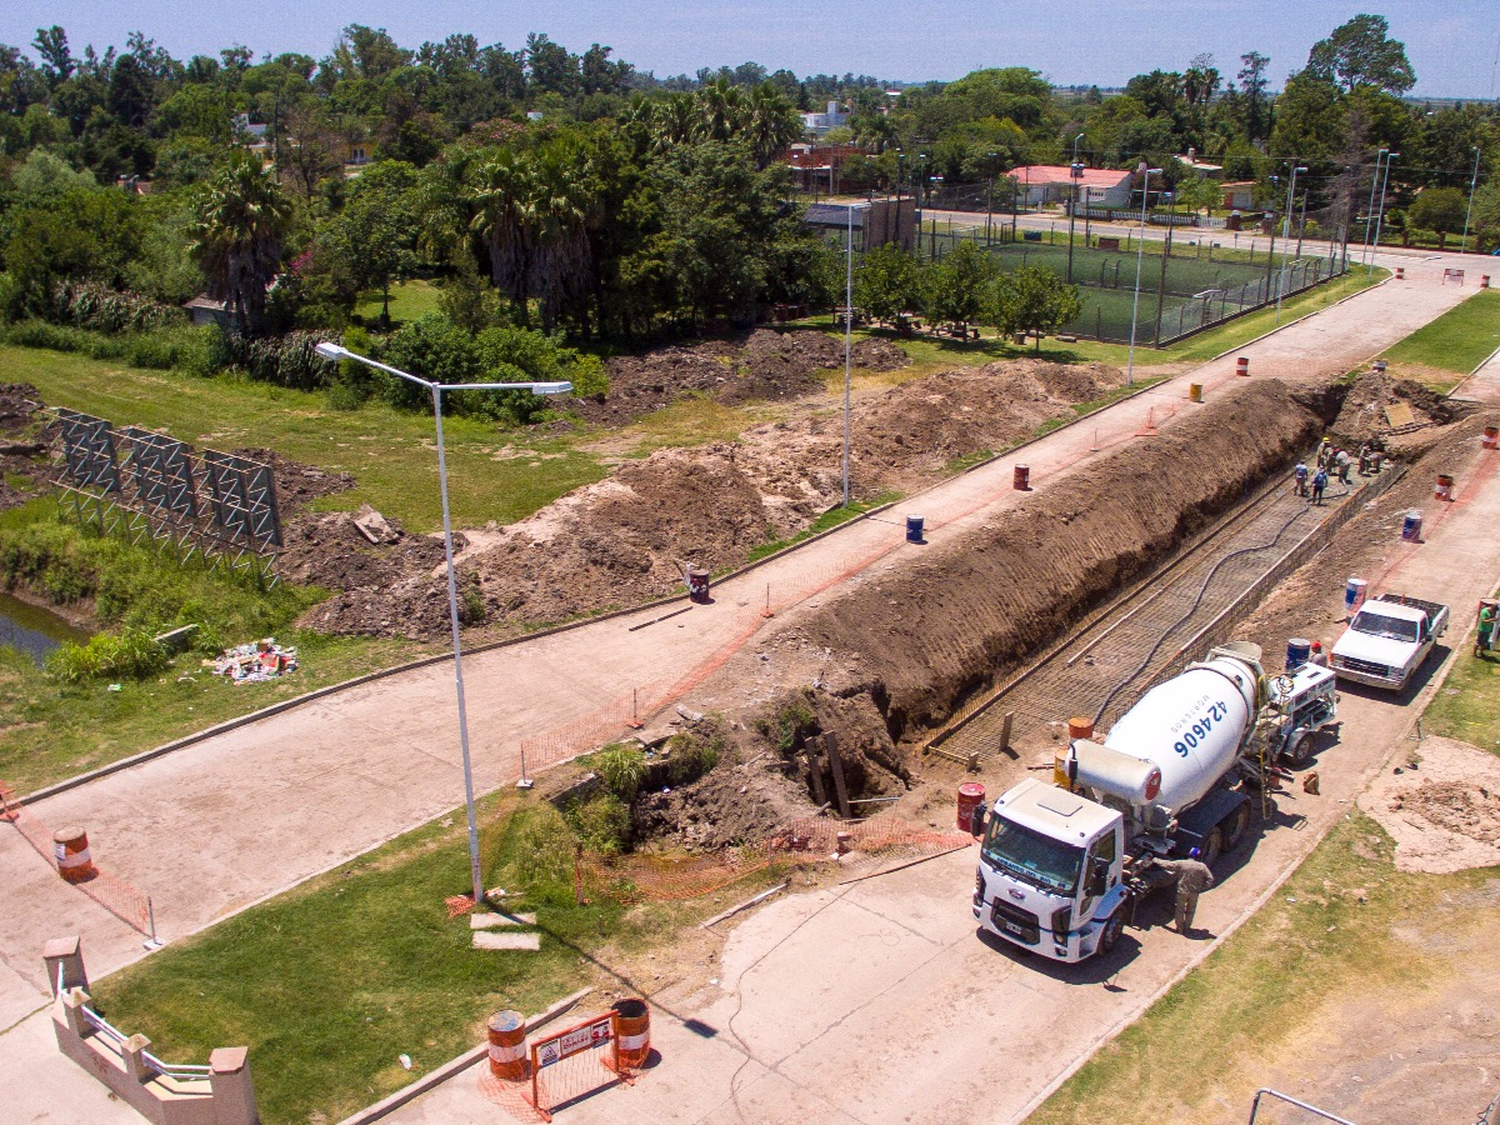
(237, 239)
(771, 123)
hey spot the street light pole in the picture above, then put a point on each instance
(1473, 179)
(1380, 214)
(1286, 236)
(1370, 207)
(1075, 173)
(1140, 251)
(336, 352)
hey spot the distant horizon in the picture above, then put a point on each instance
(1454, 49)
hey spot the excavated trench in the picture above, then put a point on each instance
(925, 639)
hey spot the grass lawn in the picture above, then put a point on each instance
(329, 984)
(492, 475)
(52, 732)
(1457, 342)
(409, 300)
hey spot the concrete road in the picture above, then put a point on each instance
(234, 819)
(878, 1001)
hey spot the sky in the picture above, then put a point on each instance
(1454, 45)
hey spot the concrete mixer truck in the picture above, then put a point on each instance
(1061, 866)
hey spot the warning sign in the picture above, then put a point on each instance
(571, 1042)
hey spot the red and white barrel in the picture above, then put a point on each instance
(507, 1035)
(970, 797)
(1443, 489)
(1242, 365)
(71, 848)
(1491, 439)
(633, 1026)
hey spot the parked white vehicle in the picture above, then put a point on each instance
(1387, 641)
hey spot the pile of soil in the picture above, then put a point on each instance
(628, 539)
(766, 365)
(1363, 414)
(1443, 812)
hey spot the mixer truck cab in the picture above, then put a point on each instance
(1062, 865)
(1050, 872)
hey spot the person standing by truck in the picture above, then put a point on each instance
(1193, 878)
(1486, 628)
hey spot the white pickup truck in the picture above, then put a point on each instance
(1387, 640)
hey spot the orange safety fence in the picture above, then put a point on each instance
(852, 845)
(562, 1068)
(114, 894)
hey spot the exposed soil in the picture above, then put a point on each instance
(765, 365)
(19, 403)
(1442, 808)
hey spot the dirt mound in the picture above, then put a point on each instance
(930, 634)
(919, 429)
(628, 539)
(1444, 812)
(767, 365)
(1364, 412)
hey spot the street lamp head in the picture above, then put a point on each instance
(1299, 168)
(332, 351)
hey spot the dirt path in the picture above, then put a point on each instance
(260, 808)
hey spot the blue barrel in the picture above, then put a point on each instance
(914, 529)
(1411, 527)
(1297, 652)
(1354, 595)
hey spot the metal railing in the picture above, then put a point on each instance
(1323, 1113)
(185, 1072)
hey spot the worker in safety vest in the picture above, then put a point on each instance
(1193, 878)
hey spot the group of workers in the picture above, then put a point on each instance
(1334, 461)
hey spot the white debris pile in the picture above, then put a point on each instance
(255, 662)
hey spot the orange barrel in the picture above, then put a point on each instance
(1020, 478)
(1443, 490)
(71, 847)
(633, 1026)
(1195, 392)
(1080, 728)
(1491, 437)
(1400, 273)
(970, 797)
(843, 841)
(1484, 281)
(508, 1046)
(1242, 365)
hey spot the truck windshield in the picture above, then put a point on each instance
(1378, 624)
(1030, 855)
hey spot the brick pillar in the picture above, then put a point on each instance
(137, 1069)
(74, 1001)
(234, 1092)
(67, 954)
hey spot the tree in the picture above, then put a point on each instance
(1441, 209)
(377, 229)
(237, 240)
(1253, 83)
(1360, 53)
(957, 286)
(888, 282)
(1034, 299)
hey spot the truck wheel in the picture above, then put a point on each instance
(1234, 826)
(1301, 751)
(1113, 928)
(1212, 846)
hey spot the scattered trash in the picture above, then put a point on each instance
(405, 1061)
(113, 687)
(255, 662)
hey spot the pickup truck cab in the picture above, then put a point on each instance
(1387, 641)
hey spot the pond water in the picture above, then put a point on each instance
(33, 630)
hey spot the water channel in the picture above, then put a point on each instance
(34, 630)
